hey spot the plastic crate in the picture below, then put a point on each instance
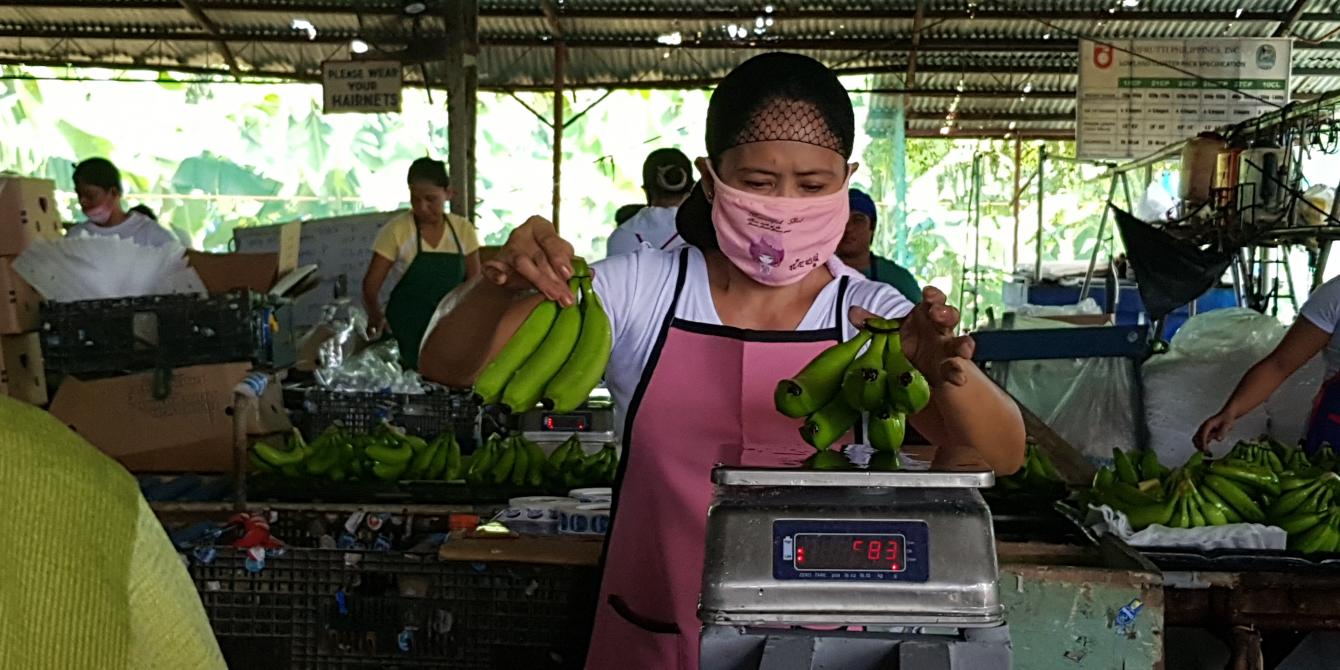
(426, 415)
(462, 615)
(166, 331)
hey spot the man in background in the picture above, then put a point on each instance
(854, 249)
(667, 177)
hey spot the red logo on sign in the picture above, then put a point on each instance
(1102, 56)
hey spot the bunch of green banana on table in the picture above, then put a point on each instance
(518, 462)
(1199, 493)
(556, 356)
(1038, 475)
(385, 454)
(868, 373)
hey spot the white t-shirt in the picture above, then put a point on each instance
(137, 228)
(637, 289)
(1323, 310)
(650, 228)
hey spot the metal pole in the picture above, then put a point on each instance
(899, 141)
(1098, 241)
(976, 235)
(1018, 171)
(1042, 169)
(560, 65)
(462, 102)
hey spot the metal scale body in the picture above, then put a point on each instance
(896, 553)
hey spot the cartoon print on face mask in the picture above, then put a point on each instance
(767, 251)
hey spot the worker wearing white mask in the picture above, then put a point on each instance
(97, 182)
(667, 177)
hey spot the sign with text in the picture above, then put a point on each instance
(1131, 103)
(361, 86)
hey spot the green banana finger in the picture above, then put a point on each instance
(536, 461)
(1312, 539)
(1213, 498)
(521, 468)
(819, 381)
(455, 463)
(829, 424)
(1104, 478)
(908, 389)
(422, 461)
(1180, 517)
(1129, 496)
(1235, 497)
(1258, 478)
(1299, 523)
(527, 338)
(388, 471)
(503, 466)
(863, 384)
(1150, 467)
(1195, 517)
(260, 465)
(887, 430)
(393, 455)
(527, 385)
(1289, 502)
(277, 457)
(1149, 515)
(438, 465)
(1124, 468)
(584, 367)
(564, 451)
(1213, 515)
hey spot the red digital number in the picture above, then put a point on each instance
(856, 546)
(876, 549)
(891, 551)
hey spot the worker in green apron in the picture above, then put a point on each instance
(434, 252)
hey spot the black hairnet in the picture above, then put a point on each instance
(432, 171)
(98, 172)
(774, 96)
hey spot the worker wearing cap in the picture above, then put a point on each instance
(97, 182)
(91, 580)
(854, 250)
(667, 177)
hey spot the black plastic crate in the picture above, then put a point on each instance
(166, 331)
(344, 609)
(426, 415)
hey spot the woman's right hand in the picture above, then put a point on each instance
(534, 257)
(1214, 429)
(377, 326)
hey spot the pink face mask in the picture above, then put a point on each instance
(777, 241)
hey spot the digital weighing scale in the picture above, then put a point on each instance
(908, 557)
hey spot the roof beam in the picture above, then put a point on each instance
(201, 18)
(1286, 26)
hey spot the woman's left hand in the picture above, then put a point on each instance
(929, 340)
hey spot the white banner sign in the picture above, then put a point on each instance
(361, 86)
(1131, 106)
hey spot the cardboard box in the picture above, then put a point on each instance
(20, 306)
(222, 273)
(21, 371)
(189, 430)
(27, 212)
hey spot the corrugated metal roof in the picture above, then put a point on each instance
(991, 51)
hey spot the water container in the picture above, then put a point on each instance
(1200, 159)
(1262, 167)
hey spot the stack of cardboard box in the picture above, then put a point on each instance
(27, 213)
(178, 420)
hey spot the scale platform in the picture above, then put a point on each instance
(800, 547)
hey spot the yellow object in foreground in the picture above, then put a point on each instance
(88, 578)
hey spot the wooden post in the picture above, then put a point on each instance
(462, 101)
(899, 168)
(560, 65)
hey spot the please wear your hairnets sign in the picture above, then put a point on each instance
(361, 86)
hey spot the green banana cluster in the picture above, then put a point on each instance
(518, 462)
(385, 454)
(868, 373)
(556, 356)
(1038, 475)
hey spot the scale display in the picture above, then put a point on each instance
(575, 422)
(819, 551)
(851, 550)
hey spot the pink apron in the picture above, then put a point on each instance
(705, 398)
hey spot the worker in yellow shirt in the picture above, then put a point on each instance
(433, 251)
(90, 579)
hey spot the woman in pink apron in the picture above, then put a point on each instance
(703, 334)
(1312, 333)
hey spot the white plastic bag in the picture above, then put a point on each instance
(1190, 383)
(1104, 519)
